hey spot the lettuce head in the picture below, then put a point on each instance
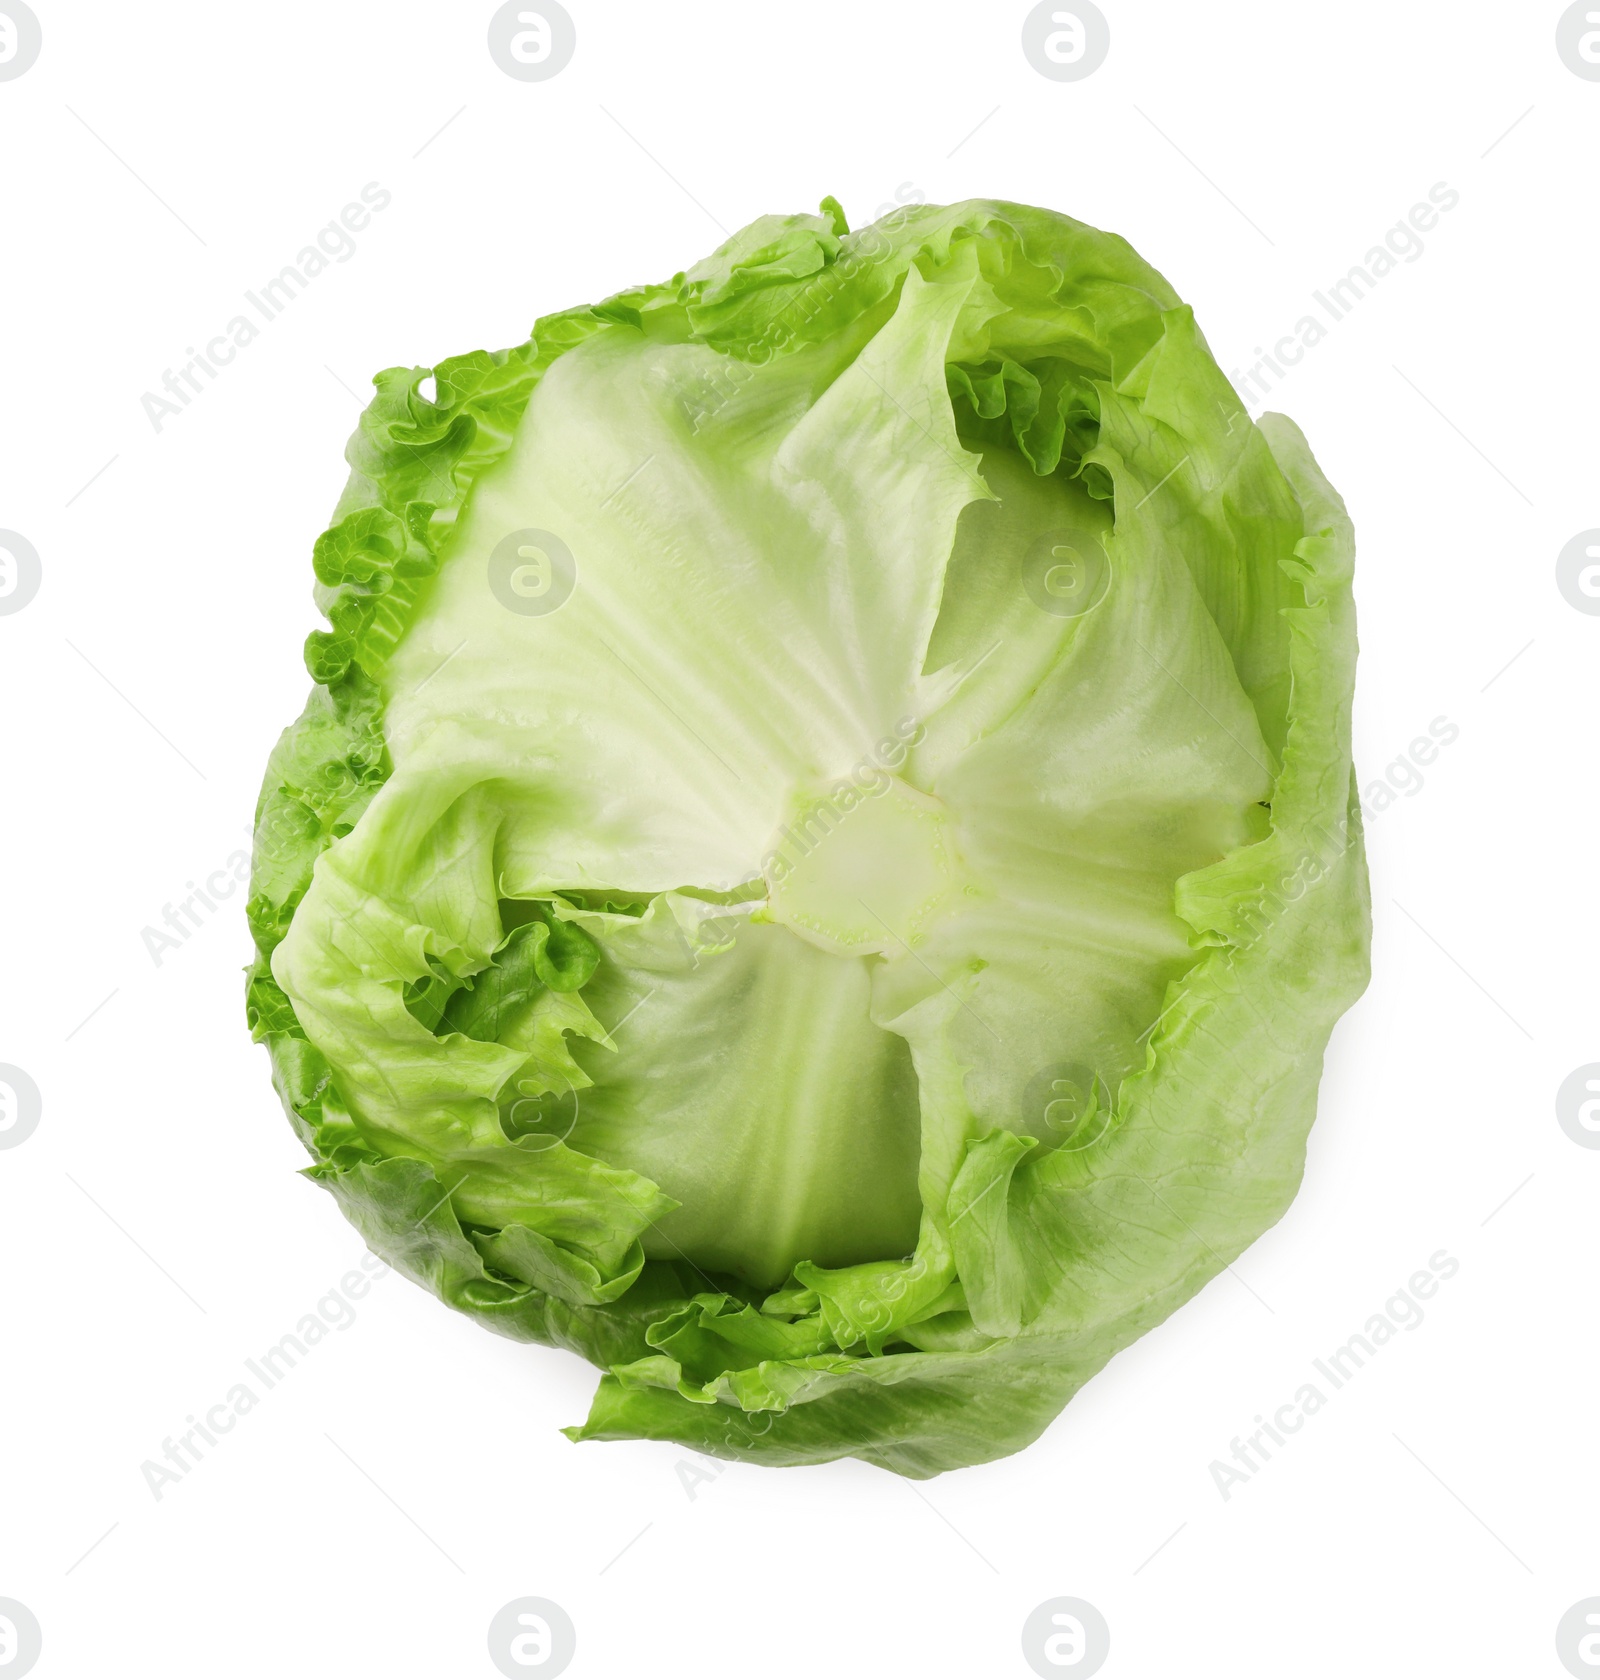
(821, 859)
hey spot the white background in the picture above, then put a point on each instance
(379, 1506)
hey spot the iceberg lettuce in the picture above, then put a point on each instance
(822, 857)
